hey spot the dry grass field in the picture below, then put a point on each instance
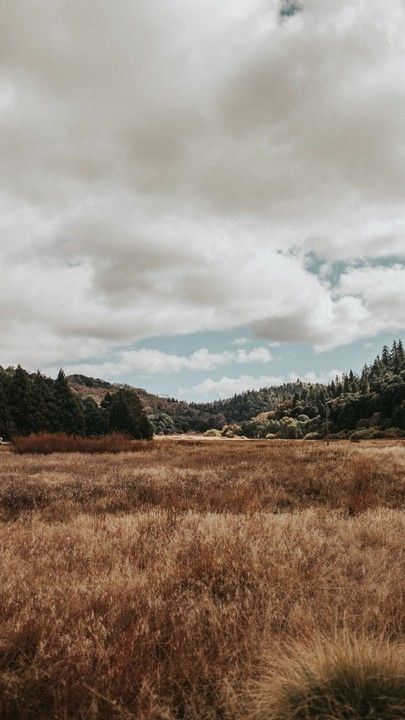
(204, 580)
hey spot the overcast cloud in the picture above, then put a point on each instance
(169, 167)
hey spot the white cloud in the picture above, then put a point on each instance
(166, 167)
(228, 386)
(259, 354)
(242, 341)
(314, 378)
(146, 361)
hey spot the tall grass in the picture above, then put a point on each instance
(47, 443)
(161, 585)
(221, 477)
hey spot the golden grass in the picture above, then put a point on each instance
(203, 476)
(151, 586)
(342, 679)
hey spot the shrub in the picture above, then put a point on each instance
(334, 680)
(392, 432)
(363, 434)
(212, 433)
(341, 435)
(46, 443)
(230, 430)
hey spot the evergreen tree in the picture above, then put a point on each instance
(127, 415)
(22, 402)
(385, 357)
(400, 353)
(70, 415)
(96, 418)
(365, 380)
(7, 427)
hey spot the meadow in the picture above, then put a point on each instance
(202, 580)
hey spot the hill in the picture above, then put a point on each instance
(371, 404)
(374, 399)
(177, 416)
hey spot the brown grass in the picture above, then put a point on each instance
(151, 586)
(47, 443)
(337, 679)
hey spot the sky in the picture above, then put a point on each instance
(200, 197)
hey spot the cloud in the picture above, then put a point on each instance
(167, 169)
(228, 386)
(146, 361)
(315, 378)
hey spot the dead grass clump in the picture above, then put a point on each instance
(47, 443)
(17, 497)
(339, 679)
(362, 494)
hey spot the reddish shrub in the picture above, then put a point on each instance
(46, 443)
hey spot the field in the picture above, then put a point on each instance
(182, 580)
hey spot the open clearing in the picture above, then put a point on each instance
(161, 583)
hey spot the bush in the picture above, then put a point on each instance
(341, 435)
(313, 436)
(46, 443)
(212, 433)
(230, 430)
(375, 433)
(392, 432)
(366, 434)
(336, 680)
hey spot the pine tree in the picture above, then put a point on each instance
(127, 415)
(70, 415)
(385, 357)
(346, 384)
(96, 418)
(365, 379)
(22, 402)
(7, 427)
(398, 356)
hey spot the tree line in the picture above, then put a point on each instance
(32, 403)
(350, 400)
(371, 403)
(373, 398)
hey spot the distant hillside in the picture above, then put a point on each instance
(375, 398)
(88, 387)
(167, 414)
(185, 417)
(371, 404)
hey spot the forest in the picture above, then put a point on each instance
(366, 405)
(33, 403)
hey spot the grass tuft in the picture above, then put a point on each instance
(339, 679)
